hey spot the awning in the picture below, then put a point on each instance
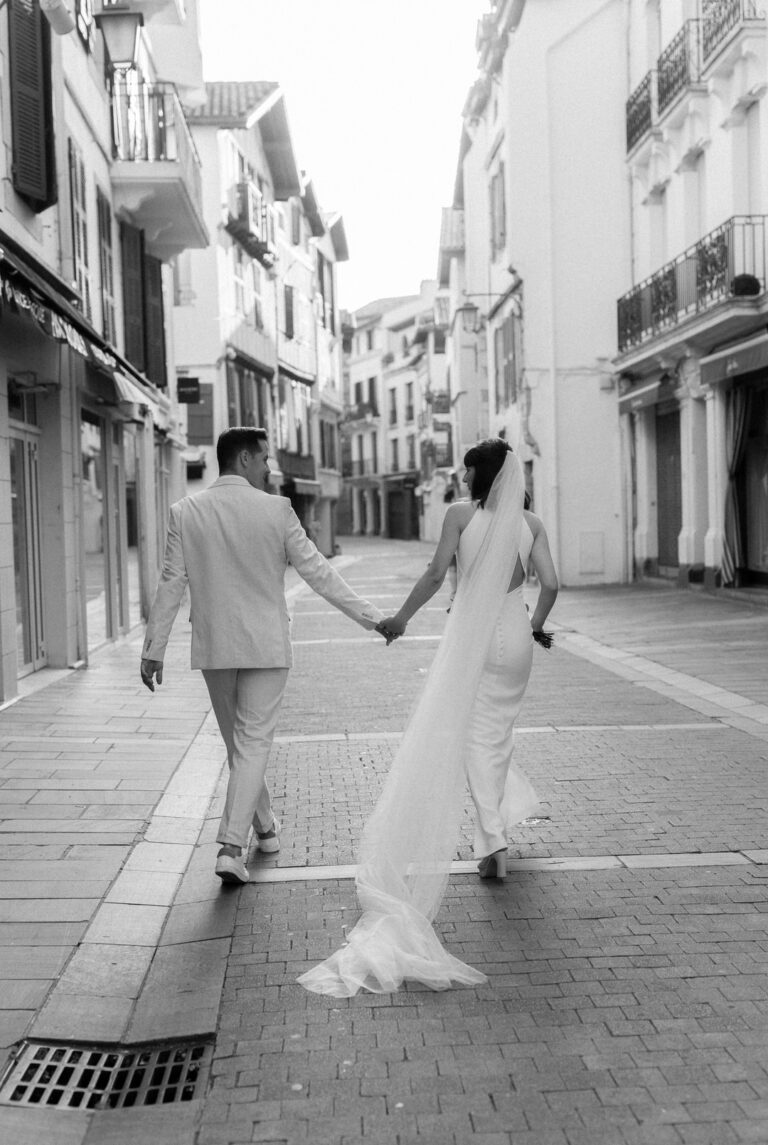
(132, 394)
(743, 358)
(639, 398)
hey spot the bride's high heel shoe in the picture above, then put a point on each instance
(493, 866)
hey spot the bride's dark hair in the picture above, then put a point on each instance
(487, 458)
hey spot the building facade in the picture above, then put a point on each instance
(532, 249)
(101, 191)
(256, 320)
(692, 348)
(386, 382)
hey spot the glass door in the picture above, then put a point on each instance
(25, 518)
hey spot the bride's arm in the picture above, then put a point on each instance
(428, 584)
(541, 558)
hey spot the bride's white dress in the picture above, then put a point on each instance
(408, 843)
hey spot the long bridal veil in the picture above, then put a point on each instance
(409, 841)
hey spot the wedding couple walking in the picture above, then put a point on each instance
(231, 545)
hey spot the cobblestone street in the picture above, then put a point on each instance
(626, 951)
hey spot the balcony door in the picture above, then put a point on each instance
(669, 496)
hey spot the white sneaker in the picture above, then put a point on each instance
(232, 869)
(269, 843)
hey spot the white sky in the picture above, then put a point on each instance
(374, 91)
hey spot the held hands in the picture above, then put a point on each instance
(149, 670)
(390, 628)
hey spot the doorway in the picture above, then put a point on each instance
(669, 491)
(27, 567)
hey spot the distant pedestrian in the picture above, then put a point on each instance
(231, 543)
(461, 728)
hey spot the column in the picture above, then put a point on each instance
(693, 460)
(646, 528)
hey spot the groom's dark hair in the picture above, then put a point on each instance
(238, 437)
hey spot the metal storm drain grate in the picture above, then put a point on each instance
(105, 1077)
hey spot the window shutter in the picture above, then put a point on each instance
(31, 109)
(288, 297)
(132, 254)
(106, 266)
(200, 417)
(154, 321)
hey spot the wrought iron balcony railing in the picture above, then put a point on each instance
(362, 411)
(149, 125)
(641, 110)
(719, 18)
(361, 468)
(678, 65)
(291, 464)
(729, 262)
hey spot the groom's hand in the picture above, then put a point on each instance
(151, 669)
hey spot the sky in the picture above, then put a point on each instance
(374, 91)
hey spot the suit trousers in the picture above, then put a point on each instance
(501, 793)
(246, 702)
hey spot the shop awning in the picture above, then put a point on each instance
(743, 358)
(639, 398)
(130, 393)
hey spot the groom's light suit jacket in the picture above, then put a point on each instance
(232, 543)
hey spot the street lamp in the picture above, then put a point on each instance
(120, 28)
(472, 321)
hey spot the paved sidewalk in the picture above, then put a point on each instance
(626, 952)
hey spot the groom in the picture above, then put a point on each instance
(231, 543)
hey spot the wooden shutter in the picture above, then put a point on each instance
(106, 267)
(33, 168)
(132, 255)
(200, 417)
(77, 198)
(288, 297)
(154, 321)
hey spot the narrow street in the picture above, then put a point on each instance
(626, 951)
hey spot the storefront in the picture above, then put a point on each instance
(77, 434)
(740, 375)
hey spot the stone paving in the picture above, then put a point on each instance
(626, 951)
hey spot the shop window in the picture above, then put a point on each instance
(33, 169)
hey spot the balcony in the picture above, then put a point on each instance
(362, 411)
(296, 465)
(722, 20)
(678, 65)
(250, 223)
(156, 180)
(360, 467)
(641, 111)
(729, 262)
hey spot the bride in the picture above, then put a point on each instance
(460, 728)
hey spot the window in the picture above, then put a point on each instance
(411, 450)
(240, 270)
(393, 407)
(84, 22)
(288, 308)
(325, 280)
(395, 446)
(77, 194)
(498, 212)
(258, 309)
(106, 267)
(295, 223)
(200, 417)
(358, 393)
(374, 452)
(154, 321)
(506, 357)
(33, 168)
(369, 339)
(328, 444)
(409, 401)
(372, 391)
